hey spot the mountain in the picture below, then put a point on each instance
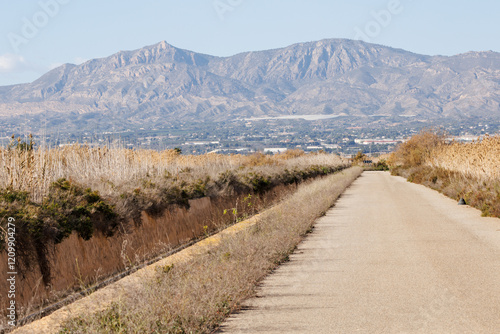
(161, 83)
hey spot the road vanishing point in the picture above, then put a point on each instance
(389, 257)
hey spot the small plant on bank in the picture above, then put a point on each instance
(381, 166)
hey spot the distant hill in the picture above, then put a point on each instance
(161, 83)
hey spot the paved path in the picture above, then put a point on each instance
(390, 257)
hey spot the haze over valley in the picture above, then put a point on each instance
(339, 83)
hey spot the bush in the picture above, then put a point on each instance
(359, 158)
(417, 150)
(381, 165)
(67, 208)
(457, 170)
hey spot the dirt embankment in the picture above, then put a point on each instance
(76, 263)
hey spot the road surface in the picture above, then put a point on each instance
(390, 257)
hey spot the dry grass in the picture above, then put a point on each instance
(198, 296)
(480, 159)
(416, 151)
(52, 193)
(458, 170)
(132, 181)
(116, 185)
(112, 171)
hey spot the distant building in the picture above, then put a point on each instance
(332, 146)
(377, 141)
(464, 139)
(275, 150)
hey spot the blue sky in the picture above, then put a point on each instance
(37, 35)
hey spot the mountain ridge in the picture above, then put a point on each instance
(162, 83)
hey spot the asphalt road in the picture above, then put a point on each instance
(390, 257)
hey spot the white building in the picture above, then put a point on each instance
(275, 150)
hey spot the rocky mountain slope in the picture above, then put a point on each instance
(161, 83)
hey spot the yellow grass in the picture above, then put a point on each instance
(125, 186)
(109, 170)
(470, 171)
(480, 159)
(196, 296)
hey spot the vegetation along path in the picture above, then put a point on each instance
(390, 257)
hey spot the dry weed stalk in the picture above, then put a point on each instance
(109, 170)
(479, 159)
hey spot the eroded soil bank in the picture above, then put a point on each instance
(76, 263)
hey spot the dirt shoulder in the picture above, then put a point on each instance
(221, 270)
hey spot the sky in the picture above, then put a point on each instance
(38, 35)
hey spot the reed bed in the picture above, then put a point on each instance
(52, 193)
(480, 159)
(458, 170)
(113, 170)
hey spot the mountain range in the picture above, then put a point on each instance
(161, 83)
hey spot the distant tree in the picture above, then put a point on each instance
(359, 158)
(178, 150)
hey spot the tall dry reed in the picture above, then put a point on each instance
(479, 159)
(114, 170)
(459, 170)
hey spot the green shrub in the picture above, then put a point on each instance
(68, 208)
